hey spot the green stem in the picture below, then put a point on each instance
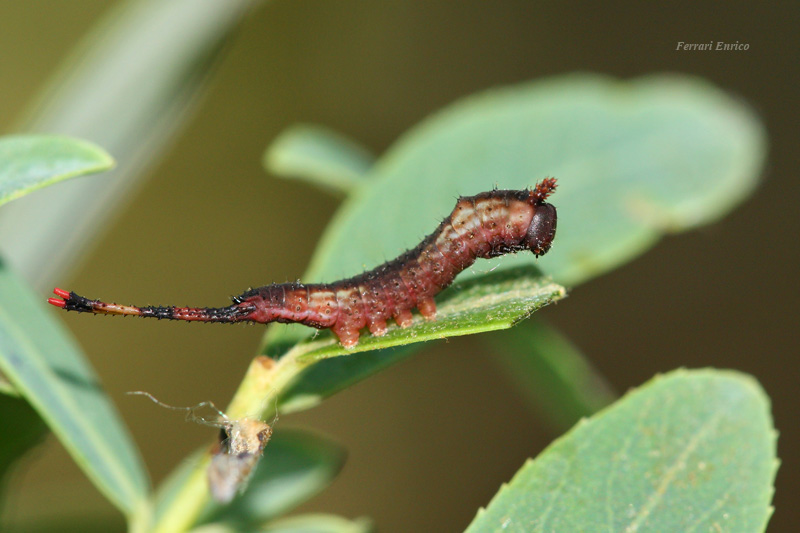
(139, 521)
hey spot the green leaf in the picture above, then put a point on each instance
(319, 156)
(296, 466)
(41, 360)
(560, 381)
(634, 160)
(495, 301)
(30, 162)
(329, 376)
(688, 451)
(129, 86)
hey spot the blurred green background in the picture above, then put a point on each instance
(432, 439)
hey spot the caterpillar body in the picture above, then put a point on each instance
(487, 225)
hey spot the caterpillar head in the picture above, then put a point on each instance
(542, 229)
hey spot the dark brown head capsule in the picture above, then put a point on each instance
(542, 230)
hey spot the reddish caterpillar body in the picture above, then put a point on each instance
(483, 226)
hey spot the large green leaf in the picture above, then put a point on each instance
(688, 451)
(41, 360)
(30, 162)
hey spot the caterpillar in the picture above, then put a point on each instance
(488, 225)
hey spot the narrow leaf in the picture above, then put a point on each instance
(551, 371)
(689, 451)
(41, 360)
(30, 162)
(319, 156)
(128, 86)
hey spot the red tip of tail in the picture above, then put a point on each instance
(61, 292)
(58, 302)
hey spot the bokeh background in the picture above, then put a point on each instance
(432, 439)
